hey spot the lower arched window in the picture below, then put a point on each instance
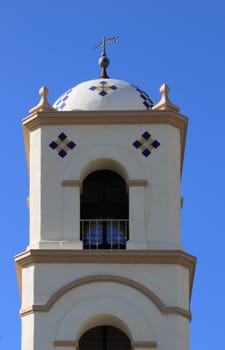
(104, 338)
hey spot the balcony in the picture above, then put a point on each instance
(104, 233)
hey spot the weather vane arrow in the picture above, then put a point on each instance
(104, 60)
(108, 41)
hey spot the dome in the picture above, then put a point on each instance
(103, 94)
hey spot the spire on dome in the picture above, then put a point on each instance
(104, 60)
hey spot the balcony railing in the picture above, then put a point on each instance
(104, 233)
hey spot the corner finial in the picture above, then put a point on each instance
(164, 89)
(104, 60)
(43, 105)
(164, 103)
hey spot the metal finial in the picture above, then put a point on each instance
(104, 60)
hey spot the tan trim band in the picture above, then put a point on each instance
(108, 278)
(144, 344)
(141, 183)
(66, 343)
(138, 344)
(71, 183)
(78, 183)
(104, 117)
(50, 256)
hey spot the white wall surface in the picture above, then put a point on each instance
(155, 209)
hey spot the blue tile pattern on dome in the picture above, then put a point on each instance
(147, 102)
(103, 88)
(61, 102)
(146, 144)
(62, 145)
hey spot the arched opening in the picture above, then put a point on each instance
(104, 211)
(104, 338)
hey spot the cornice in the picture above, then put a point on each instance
(103, 117)
(65, 256)
(39, 119)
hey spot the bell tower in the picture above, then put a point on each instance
(104, 268)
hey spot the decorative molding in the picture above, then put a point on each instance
(133, 183)
(144, 344)
(45, 256)
(148, 117)
(112, 279)
(75, 344)
(71, 183)
(50, 256)
(78, 183)
(66, 343)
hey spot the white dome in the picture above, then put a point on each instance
(103, 94)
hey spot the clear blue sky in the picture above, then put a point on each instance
(178, 42)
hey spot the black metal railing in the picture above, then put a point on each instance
(104, 233)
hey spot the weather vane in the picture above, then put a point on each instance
(104, 60)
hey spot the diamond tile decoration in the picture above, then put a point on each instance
(146, 99)
(103, 88)
(62, 145)
(61, 102)
(146, 144)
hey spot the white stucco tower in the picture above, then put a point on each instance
(105, 268)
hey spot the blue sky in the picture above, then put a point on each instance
(181, 43)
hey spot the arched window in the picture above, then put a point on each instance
(104, 338)
(104, 211)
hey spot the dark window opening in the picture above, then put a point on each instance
(104, 338)
(104, 211)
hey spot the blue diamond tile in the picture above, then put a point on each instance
(62, 136)
(71, 144)
(143, 96)
(138, 89)
(146, 135)
(155, 144)
(146, 144)
(103, 88)
(147, 105)
(147, 102)
(103, 93)
(62, 105)
(137, 144)
(62, 153)
(53, 145)
(62, 145)
(146, 152)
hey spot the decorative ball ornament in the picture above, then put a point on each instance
(104, 61)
